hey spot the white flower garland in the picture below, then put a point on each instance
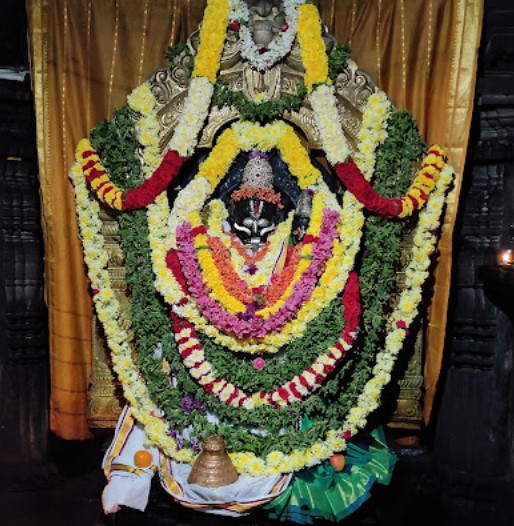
(196, 109)
(278, 48)
(108, 310)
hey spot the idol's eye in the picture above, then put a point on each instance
(263, 222)
(248, 221)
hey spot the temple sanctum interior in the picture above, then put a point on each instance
(257, 262)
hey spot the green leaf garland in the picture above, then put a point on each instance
(278, 428)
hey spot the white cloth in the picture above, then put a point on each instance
(125, 488)
(245, 491)
(132, 489)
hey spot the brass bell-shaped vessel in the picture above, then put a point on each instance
(213, 467)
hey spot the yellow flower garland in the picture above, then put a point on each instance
(101, 184)
(312, 47)
(212, 38)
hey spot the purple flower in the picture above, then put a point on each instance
(189, 404)
(250, 269)
(196, 447)
(255, 153)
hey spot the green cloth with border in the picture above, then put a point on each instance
(323, 493)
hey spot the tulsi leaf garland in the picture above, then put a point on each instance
(116, 142)
(338, 60)
(257, 111)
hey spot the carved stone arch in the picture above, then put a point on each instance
(169, 86)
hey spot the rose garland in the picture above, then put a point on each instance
(300, 386)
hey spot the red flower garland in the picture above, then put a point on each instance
(146, 193)
(351, 176)
(309, 380)
(135, 198)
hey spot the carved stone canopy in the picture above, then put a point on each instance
(169, 86)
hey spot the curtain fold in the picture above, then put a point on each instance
(87, 55)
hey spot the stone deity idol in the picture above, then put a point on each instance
(262, 309)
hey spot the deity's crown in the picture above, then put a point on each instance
(257, 180)
(258, 172)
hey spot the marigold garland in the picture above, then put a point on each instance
(251, 325)
(254, 277)
(212, 39)
(265, 290)
(313, 50)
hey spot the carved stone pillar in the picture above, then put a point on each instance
(23, 318)
(473, 446)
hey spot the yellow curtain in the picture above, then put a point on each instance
(87, 55)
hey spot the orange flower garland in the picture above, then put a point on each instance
(233, 284)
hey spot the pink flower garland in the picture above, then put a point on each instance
(249, 324)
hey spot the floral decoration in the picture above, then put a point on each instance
(222, 299)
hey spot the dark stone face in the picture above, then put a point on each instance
(252, 220)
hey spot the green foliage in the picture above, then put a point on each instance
(174, 53)
(338, 60)
(381, 250)
(257, 111)
(322, 333)
(116, 142)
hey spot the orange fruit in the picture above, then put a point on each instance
(143, 458)
(338, 461)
